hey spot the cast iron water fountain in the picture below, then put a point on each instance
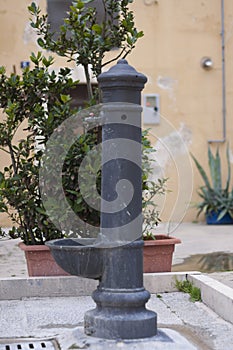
(115, 258)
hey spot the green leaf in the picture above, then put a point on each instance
(124, 23)
(2, 70)
(65, 98)
(129, 41)
(228, 169)
(72, 192)
(41, 211)
(218, 176)
(202, 172)
(140, 34)
(222, 214)
(47, 62)
(32, 8)
(35, 59)
(97, 28)
(40, 42)
(215, 169)
(80, 4)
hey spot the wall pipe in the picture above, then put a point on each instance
(223, 78)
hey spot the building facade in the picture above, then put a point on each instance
(187, 55)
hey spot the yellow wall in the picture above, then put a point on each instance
(178, 33)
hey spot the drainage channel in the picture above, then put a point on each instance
(28, 345)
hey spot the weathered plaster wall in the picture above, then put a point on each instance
(178, 33)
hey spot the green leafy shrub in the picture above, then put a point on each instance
(86, 41)
(150, 189)
(40, 100)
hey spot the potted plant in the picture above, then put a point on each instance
(40, 101)
(216, 200)
(158, 248)
(36, 102)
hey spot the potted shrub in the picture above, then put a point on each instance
(42, 109)
(216, 200)
(158, 248)
(39, 100)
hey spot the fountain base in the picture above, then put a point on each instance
(120, 315)
(166, 339)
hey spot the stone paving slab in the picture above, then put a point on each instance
(62, 319)
(217, 296)
(12, 260)
(201, 239)
(223, 277)
(166, 339)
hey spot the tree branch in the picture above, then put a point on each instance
(114, 59)
(12, 154)
(88, 79)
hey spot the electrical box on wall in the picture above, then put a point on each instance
(151, 110)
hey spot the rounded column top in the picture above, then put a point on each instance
(122, 72)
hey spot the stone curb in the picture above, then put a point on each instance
(32, 287)
(42, 287)
(215, 295)
(164, 282)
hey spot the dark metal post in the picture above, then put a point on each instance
(120, 296)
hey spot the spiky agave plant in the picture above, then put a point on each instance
(214, 197)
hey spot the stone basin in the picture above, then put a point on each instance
(78, 256)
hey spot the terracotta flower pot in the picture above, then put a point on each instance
(157, 254)
(40, 261)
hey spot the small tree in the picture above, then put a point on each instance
(150, 189)
(41, 99)
(86, 41)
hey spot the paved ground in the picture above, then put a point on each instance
(62, 318)
(12, 260)
(198, 240)
(202, 239)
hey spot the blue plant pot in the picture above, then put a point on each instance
(211, 219)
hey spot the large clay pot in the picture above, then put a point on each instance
(40, 261)
(157, 254)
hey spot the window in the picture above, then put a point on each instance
(79, 95)
(57, 10)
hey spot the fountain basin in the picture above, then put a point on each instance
(78, 256)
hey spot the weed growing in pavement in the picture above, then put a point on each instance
(188, 287)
